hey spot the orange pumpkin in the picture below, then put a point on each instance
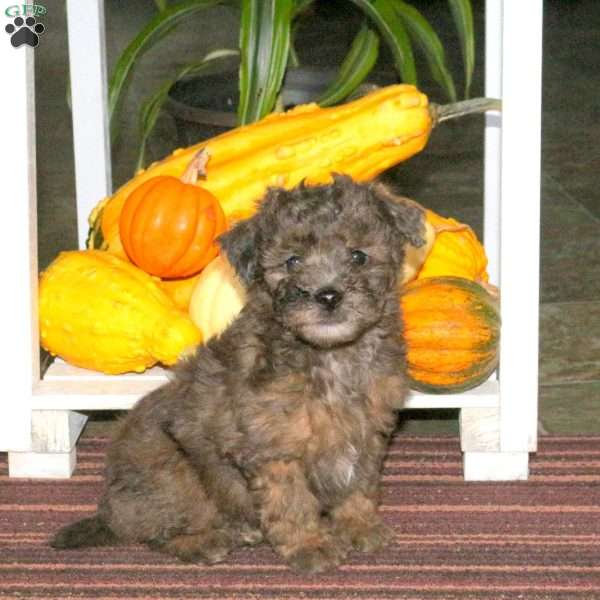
(452, 334)
(168, 226)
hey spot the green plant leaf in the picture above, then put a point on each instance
(264, 43)
(356, 66)
(150, 34)
(427, 39)
(161, 4)
(389, 23)
(151, 108)
(463, 19)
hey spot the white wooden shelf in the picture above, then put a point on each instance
(65, 387)
(39, 422)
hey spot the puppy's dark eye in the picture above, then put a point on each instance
(359, 257)
(293, 262)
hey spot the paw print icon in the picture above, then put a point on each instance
(24, 31)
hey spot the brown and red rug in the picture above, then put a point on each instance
(454, 540)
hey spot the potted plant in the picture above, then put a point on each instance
(264, 76)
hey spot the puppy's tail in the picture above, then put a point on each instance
(92, 531)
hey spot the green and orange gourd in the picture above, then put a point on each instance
(452, 333)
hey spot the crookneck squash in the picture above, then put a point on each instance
(452, 333)
(100, 312)
(361, 138)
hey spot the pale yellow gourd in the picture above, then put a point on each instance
(217, 299)
(100, 312)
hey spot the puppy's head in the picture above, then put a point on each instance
(327, 255)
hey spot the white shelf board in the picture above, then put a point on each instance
(65, 387)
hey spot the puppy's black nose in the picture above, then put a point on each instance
(329, 298)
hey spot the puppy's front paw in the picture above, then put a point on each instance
(365, 536)
(372, 538)
(317, 555)
(208, 547)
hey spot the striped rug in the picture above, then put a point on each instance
(454, 540)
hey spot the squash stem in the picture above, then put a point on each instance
(445, 112)
(197, 167)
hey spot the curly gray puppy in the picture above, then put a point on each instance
(277, 429)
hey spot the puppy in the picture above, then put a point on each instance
(276, 430)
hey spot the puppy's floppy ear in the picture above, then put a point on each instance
(407, 216)
(240, 245)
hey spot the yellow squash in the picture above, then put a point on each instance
(100, 312)
(361, 139)
(455, 252)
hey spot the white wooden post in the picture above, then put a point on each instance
(520, 219)
(89, 99)
(46, 438)
(497, 442)
(19, 354)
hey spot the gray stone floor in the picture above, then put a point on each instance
(447, 176)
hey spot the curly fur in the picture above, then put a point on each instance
(276, 430)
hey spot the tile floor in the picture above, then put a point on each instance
(447, 176)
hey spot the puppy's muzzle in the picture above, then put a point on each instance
(329, 298)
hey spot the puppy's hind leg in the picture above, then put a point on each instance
(169, 509)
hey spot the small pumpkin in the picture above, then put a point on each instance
(452, 334)
(217, 298)
(168, 226)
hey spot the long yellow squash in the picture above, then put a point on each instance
(361, 139)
